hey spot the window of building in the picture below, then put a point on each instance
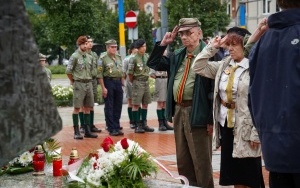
(266, 6)
(149, 8)
(228, 9)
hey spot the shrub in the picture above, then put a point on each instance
(63, 96)
(57, 69)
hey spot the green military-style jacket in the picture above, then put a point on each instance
(201, 114)
(138, 66)
(80, 66)
(109, 66)
(94, 58)
(48, 72)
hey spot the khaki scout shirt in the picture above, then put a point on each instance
(109, 66)
(94, 58)
(189, 85)
(80, 66)
(138, 67)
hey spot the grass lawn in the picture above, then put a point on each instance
(59, 76)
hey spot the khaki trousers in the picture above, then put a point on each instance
(193, 150)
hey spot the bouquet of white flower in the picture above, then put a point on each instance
(124, 164)
(24, 162)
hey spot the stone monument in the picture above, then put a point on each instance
(28, 114)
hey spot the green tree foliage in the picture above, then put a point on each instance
(211, 13)
(65, 20)
(68, 19)
(145, 29)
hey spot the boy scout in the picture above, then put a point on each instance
(138, 73)
(128, 87)
(79, 72)
(111, 81)
(160, 95)
(42, 58)
(94, 58)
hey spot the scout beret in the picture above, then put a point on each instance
(42, 56)
(111, 42)
(240, 31)
(139, 43)
(188, 23)
(81, 40)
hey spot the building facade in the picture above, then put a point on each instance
(248, 13)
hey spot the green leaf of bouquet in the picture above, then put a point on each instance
(19, 170)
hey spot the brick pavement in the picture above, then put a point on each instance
(161, 145)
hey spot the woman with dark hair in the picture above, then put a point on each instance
(233, 126)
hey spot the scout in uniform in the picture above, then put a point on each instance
(128, 86)
(138, 74)
(94, 58)
(160, 95)
(79, 72)
(42, 58)
(111, 81)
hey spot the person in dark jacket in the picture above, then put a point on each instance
(274, 94)
(188, 102)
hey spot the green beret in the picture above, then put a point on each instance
(188, 23)
(111, 42)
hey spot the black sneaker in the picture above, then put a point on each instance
(132, 126)
(95, 129)
(139, 129)
(81, 130)
(148, 129)
(114, 133)
(120, 132)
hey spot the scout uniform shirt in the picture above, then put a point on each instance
(189, 84)
(48, 72)
(94, 58)
(80, 66)
(109, 66)
(138, 67)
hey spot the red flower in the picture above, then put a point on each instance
(93, 155)
(95, 166)
(107, 143)
(124, 143)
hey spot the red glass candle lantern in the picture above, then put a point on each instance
(73, 156)
(57, 165)
(38, 161)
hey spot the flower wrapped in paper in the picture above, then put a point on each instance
(123, 164)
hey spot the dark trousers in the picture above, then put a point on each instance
(284, 180)
(113, 104)
(193, 150)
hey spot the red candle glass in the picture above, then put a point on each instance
(38, 160)
(57, 165)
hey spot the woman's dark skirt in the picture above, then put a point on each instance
(238, 171)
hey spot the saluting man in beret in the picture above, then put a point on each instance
(79, 71)
(188, 103)
(111, 80)
(138, 73)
